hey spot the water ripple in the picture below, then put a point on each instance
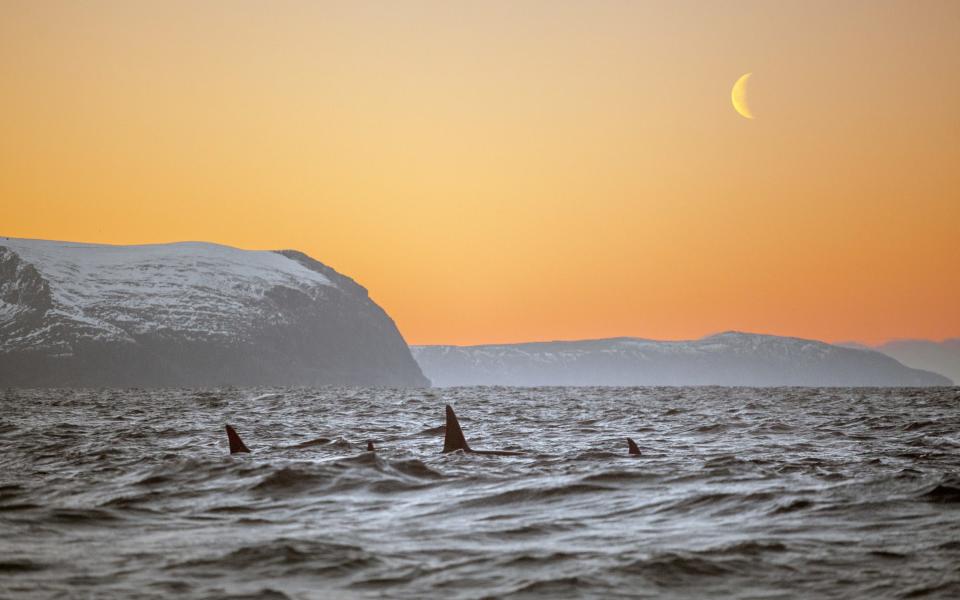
(738, 493)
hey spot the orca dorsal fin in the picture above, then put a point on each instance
(453, 439)
(236, 444)
(370, 446)
(632, 445)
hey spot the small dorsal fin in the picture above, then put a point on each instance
(370, 447)
(632, 445)
(236, 444)
(454, 440)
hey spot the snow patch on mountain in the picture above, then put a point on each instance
(730, 358)
(188, 314)
(115, 293)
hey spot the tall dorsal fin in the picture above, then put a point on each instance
(370, 446)
(236, 444)
(632, 445)
(454, 440)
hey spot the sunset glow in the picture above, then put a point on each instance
(514, 171)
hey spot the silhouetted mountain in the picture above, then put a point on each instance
(939, 357)
(731, 358)
(188, 314)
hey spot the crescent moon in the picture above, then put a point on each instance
(738, 96)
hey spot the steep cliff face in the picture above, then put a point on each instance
(188, 314)
(732, 358)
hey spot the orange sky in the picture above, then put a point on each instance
(512, 171)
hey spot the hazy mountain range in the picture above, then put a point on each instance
(188, 314)
(199, 314)
(939, 357)
(730, 358)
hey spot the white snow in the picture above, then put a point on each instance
(114, 292)
(632, 348)
(729, 358)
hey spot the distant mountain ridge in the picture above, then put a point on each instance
(188, 314)
(939, 357)
(730, 358)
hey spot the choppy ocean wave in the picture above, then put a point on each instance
(738, 493)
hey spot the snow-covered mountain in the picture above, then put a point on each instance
(730, 358)
(188, 314)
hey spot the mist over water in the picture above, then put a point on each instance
(739, 493)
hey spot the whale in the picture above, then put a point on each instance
(317, 442)
(632, 447)
(236, 444)
(454, 439)
(433, 430)
(238, 447)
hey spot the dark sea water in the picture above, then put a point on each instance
(739, 493)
